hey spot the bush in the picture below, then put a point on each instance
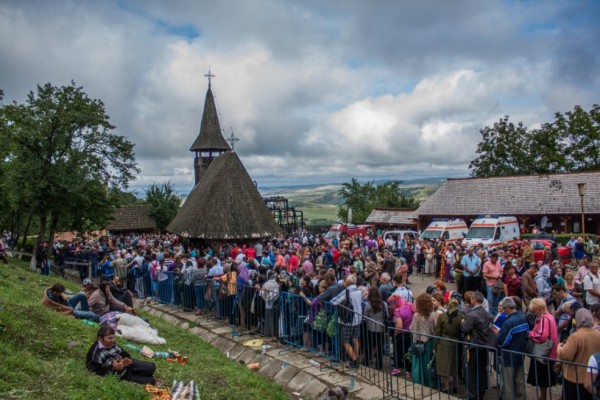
(562, 238)
(29, 245)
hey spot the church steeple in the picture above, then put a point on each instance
(210, 143)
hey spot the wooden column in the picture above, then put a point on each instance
(523, 221)
(567, 220)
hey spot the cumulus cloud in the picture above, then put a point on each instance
(316, 91)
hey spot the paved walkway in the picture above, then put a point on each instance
(290, 367)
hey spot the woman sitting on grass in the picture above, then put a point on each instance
(102, 301)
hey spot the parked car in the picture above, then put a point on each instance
(538, 250)
(350, 230)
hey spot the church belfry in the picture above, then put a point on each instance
(210, 142)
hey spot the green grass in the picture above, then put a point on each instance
(40, 361)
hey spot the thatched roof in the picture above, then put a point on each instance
(225, 205)
(392, 216)
(132, 217)
(210, 137)
(515, 195)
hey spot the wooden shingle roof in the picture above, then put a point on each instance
(392, 216)
(225, 205)
(132, 217)
(515, 195)
(210, 137)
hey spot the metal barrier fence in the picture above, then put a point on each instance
(443, 367)
(309, 325)
(389, 358)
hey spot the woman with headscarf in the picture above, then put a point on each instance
(102, 301)
(402, 312)
(577, 349)
(448, 326)
(542, 284)
(243, 295)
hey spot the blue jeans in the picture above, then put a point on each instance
(45, 270)
(493, 299)
(199, 292)
(84, 311)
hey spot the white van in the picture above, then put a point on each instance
(400, 234)
(493, 230)
(450, 230)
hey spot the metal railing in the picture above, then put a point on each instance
(388, 358)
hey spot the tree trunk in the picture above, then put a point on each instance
(39, 241)
(53, 224)
(25, 233)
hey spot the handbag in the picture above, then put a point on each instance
(417, 348)
(320, 322)
(433, 368)
(539, 349)
(331, 326)
(498, 287)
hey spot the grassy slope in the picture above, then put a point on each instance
(39, 363)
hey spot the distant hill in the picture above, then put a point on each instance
(320, 203)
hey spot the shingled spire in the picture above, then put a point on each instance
(210, 143)
(225, 205)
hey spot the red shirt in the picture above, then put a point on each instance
(293, 263)
(336, 256)
(250, 252)
(513, 285)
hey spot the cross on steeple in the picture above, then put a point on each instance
(232, 139)
(209, 76)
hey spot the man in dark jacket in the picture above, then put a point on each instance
(477, 327)
(513, 338)
(389, 264)
(105, 356)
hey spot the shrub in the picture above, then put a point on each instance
(562, 238)
(29, 244)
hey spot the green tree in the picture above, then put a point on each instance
(164, 203)
(63, 157)
(364, 198)
(580, 134)
(503, 150)
(120, 197)
(570, 143)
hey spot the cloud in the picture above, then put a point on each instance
(316, 91)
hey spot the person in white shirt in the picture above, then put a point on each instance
(591, 285)
(350, 332)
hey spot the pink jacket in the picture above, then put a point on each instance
(545, 327)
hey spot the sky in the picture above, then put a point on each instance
(316, 91)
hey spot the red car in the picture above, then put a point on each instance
(538, 250)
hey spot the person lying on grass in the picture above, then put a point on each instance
(107, 357)
(55, 298)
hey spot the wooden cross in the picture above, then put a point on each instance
(209, 76)
(232, 139)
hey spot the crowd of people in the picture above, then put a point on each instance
(503, 302)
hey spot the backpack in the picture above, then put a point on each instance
(154, 270)
(596, 381)
(346, 310)
(583, 291)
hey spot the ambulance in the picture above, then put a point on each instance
(450, 230)
(493, 230)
